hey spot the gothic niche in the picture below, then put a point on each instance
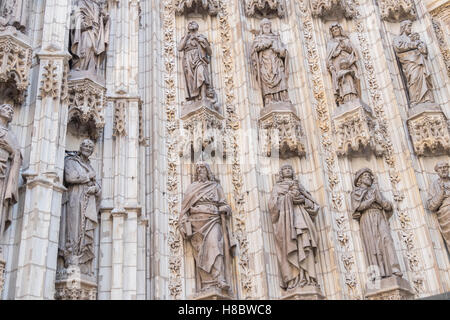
(333, 9)
(265, 8)
(202, 120)
(353, 121)
(280, 131)
(89, 38)
(15, 51)
(203, 222)
(397, 10)
(293, 211)
(373, 212)
(210, 7)
(79, 218)
(439, 200)
(428, 125)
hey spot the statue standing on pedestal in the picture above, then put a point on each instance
(203, 223)
(341, 63)
(10, 163)
(373, 211)
(89, 35)
(196, 61)
(293, 210)
(412, 54)
(270, 62)
(80, 210)
(14, 13)
(439, 200)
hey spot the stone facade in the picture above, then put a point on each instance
(252, 87)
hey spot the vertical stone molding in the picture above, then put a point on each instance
(15, 64)
(333, 9)
(397, 10)
(265, 8)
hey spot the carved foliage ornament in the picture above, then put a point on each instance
(210, 7)
(333, 9)
(2, 274)
(264, 8)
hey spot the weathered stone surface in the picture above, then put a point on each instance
(265, 8)
(391, 288)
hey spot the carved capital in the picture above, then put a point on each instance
(15, 63)
(397, 10)
(354, 127)
(73, 286)
(429, 131)
(265, 8)
(86, 104)
(280, 132)
(333, 9)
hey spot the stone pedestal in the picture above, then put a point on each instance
(86, 93)
(354, 127)
(72, 285)
(392, 288)
(212, 294)
(15, 64)
(305, 293)
(202, 129)
(429, 130)
(280, 131)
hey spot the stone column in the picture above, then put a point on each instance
(38, 249)
(121, 156)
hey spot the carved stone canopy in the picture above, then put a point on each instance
(15, 64)
(397, 10)
(86, 103)
(333, 9)
(280, 132)
(265, 8)
(354, 127)
(210, 7)
(429, 130)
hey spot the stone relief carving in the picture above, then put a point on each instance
(210, 7)
(293, 210)
(120, 118)
(333, 9)
(89, 35)
(412, 55)
(79, 216)
(14, 13)
(50, 83)
(439, 200)
(203, 222)
(196, 65)
(10, 164)
(373, 211)
(397, 10)
(341, 63)
(264, 8)
(269, 59)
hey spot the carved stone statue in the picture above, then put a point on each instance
(270, 62)
(89, 35)
(80, 210)
(10, 163)
(341, 63)
(203, 223)
(196, 60)
(373, 211)
(14, 13)
(412, 55)
(292, 210)
(439, 200)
